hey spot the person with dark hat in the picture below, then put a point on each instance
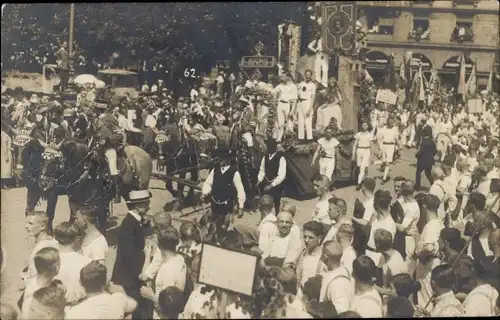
(272, 173)
(224, 187)
(110, 137)
(130, 253)
(425, 157)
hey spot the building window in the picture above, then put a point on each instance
(420, 30)
(463, 32)
(465, 2)
(380, 27)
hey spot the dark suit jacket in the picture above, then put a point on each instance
(130, 253)
(426, 153)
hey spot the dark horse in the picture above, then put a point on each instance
(36, 167)
(79, 172)
(177, 155)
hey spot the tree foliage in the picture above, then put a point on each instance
(191, 34)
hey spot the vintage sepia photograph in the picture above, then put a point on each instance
(250, 160)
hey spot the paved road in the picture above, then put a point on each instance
(17, 245)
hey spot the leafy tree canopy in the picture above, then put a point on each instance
(179, 35)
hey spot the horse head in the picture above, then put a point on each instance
(51, 167)
(162, 141)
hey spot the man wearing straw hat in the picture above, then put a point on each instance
(130, 250)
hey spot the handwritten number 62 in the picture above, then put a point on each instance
(189, 73)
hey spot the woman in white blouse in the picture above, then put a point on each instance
(173, 271)
(94, 245)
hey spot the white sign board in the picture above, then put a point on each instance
(227, 269)
(475, 106)
(387, 96)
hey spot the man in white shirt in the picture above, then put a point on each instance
(428, 246)
(344, 236)
(272, 173)
(337, 212)
(286, 246)
(112, 303)
(70, 236)
(286, 94)
(443, 192)
(362, 217)
(442, 135)
(306, 94)
(267, 228)
(411, 212)
(361, 151)
(321, 213)
(336, 285)
(389, 136)
(382, 219)
(326, 151)
(446, 304)
(321, 60)
(224, 187)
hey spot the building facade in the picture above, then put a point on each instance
(436, 32)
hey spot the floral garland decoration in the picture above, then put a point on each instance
(265, 96)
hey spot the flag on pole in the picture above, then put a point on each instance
(471, 86)
(421, 88)
(489, 86)
(418, 88)
(461, 86)
(432, 86)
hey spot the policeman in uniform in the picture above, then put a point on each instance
(272, 173)
(223, 187)
(307, 92)
(110, 137)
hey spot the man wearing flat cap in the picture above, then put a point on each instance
(110, 137)
(223, 187)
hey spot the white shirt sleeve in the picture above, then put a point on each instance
(129, 304)
(293, 251)
(262, 170)
(281, 173)
(312, 46)
(207, 185)
(239, 189)
(150, 121)
(267, 232)
(154, 266)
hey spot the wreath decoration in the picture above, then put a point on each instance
(261, 93)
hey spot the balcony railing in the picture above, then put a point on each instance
(379, 37)
(416, 2)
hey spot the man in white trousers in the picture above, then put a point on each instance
(389, 136)
(286, 94)
(307, 92)
(321, 60)
(361, 151)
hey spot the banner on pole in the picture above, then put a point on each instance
(387, 96)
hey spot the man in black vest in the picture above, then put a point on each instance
(224, 187)
(272, 173)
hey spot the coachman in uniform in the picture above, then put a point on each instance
(110, 137)
(272, 173)
(223, 187)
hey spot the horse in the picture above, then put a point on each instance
(38, 166)
(177, 155)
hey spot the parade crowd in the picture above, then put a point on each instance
(401, 253)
